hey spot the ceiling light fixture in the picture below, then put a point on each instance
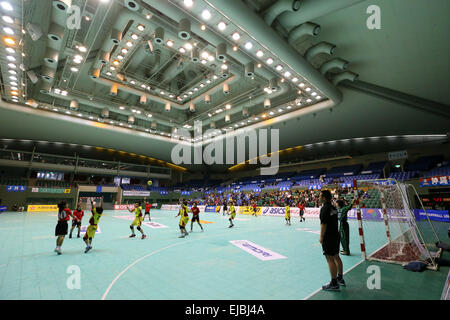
(206, 14)
(248, 45)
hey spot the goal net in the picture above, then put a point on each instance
(389, 229)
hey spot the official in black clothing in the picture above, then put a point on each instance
(330, 240)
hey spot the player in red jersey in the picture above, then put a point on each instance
(196, 217)
(64, 215)
(254, 209)
(76, 220)
(148, 206)
(302, 211)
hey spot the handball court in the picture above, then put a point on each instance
(202, 266)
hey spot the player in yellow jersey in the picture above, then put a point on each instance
(184, 219)
(287, 215)
(137, 220)
(232, 214)
(97, 213)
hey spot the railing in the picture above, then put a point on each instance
(74, 163)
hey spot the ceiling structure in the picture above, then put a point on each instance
(130, 74)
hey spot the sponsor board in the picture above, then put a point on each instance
(255, 250)
(50, 190)
(435, 181)
(170, 207)
(3, 208)
(435, 215)
(211, 208)
(41, 208)
(123, 206)
(16, 188)
(249, 210)
(281, 211)
(129, 193)
(84, 228)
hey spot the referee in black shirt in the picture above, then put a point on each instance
(329, 238)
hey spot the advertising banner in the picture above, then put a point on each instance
(135, 193)
(3, 208)
(41, 208)
(211, 208)
(16, 188)
(435, 181)
(123, 206)
(50, 190)
(435, 215)
(249, 210)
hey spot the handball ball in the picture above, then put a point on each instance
(149, 182)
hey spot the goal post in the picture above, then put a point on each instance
(389, 229)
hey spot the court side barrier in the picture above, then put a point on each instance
(176, 207)
(42, 208)
(3, 209)
(131, 206)
(295, 212)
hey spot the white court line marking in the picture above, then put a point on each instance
(320, 289)
(131, 265)
(148, 255)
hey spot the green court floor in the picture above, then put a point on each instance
(204, 265)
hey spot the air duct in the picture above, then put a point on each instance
(167, 107)
(154, 125)
(321, 47)
(131, 119)
(227, 118)
(113, 91)
(132, 5)
(245, 112)
(278, 8)
(304, 29)
(207, 99)
(212, 125)
(45, 87)
(74, 105)
(191, 107)
(267, 103)
(263, 34)
(249, 69)
(104, 57)
(51, 56)
(221, 52)
(226, 88)
(95, 73)
(105, 113)
(346, 75)
(143, 99)
(184, 29)
(176, 14)
(55, 32)
(273, 84)
(48, 73)
(195, 56)
(159, 35)
(310, 10)
(336, 63)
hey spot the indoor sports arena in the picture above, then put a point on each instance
(224, 150)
